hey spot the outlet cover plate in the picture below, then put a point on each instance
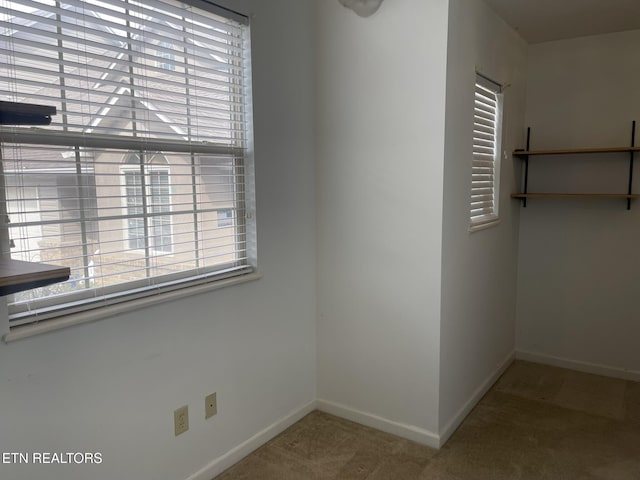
(210, 405)
(181, 420)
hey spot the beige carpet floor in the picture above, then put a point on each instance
(537, 422)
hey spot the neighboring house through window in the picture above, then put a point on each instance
(485, 170)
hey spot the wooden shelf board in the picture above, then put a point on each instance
(570, 151)
(575, 195)
(16, 275)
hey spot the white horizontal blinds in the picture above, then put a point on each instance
(486, 138)
(131, 226)
(138, 185)
(97, 61)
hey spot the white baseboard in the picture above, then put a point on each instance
(453, 424)
(411, 432)
(587, 367)
(233, 456)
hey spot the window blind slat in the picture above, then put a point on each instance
(222, 86)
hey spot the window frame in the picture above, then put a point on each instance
(492, 218)
(192, 284)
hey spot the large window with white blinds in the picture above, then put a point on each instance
(485, 168)
(150, 148)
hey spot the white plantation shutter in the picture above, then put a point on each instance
(485, 172)
(151, 142)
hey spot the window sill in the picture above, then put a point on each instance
(484, 226)
(88, 316)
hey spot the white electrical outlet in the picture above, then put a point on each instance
(210, 405)
(181, 420)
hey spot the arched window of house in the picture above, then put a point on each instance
(147, 197)
(166, 56)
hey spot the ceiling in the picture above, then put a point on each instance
(545, 20)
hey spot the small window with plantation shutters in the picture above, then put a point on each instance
(485, 169)
(150, 148)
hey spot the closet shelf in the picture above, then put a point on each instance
(526, 153)
(575, 195)
(571, 151)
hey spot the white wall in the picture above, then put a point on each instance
(578, 280)
(380, 140)
(479, 268)
(112, 386)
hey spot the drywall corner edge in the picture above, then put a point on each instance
(453, 424)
